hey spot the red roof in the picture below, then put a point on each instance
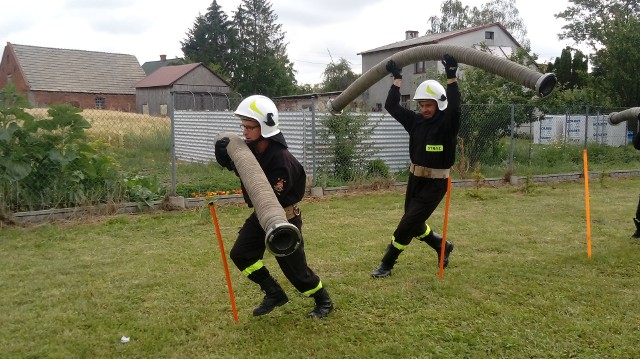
(166, 76)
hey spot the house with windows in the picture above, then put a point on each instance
(492, 36)
(84, 79)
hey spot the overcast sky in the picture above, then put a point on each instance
(316, 31)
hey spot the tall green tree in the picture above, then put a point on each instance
(210, 41)
(262, 65)
(611, 29)
(562, 66)
(590, 22)
(571, 68)
(454, 16)
(457, 16)
(338, 76)
(579, 69)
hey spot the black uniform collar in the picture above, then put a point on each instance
(280, 139)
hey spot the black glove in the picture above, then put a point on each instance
(221, 154)
(450, 66)
(393, 69)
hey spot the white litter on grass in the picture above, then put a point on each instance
(124, 339)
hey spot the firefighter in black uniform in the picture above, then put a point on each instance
(636, 220)
(286, 175)
(432, 145)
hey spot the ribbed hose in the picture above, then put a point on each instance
(282, 237)
(543, 84)
(624, 115)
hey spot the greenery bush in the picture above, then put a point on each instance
(51, 163)
(377, 168)
(345, 137)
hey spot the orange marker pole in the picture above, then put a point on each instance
(586, 199)
(212, 209)
(444, 229)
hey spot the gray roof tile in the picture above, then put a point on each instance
(63, 70)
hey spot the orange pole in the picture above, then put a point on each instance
(212, 209)
(586, 199)
(444, 229)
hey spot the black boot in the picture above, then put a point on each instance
(274, 297)
(637, 233)
(324, 305)
(388, 261)
(434, 240)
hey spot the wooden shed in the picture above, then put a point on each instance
(182, 87)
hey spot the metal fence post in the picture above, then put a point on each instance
(513, 128)
(314, 100)
(173, 145)
(531, 142)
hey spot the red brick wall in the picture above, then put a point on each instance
(126, 103)
(8, 66)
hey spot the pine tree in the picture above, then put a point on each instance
(210, 41)
(260, 57)
(563, 68)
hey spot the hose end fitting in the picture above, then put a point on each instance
(282, 239)
(545, 84)
(331, 109)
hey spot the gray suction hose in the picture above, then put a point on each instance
(543, 84)
(282, 238)
(615, 118)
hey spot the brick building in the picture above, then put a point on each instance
(85, 79)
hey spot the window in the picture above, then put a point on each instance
(100, 103)
(488, 35)
(419, 67)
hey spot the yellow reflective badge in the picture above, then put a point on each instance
(434, 148)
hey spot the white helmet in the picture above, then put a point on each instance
(263, 110)
(432, 90)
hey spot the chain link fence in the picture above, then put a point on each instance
(126, 157)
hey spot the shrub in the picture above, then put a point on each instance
(377, 168)
(345, 137)
(48, 162)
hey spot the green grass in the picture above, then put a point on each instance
(519, 285)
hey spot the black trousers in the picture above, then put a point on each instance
(422, 197)
(249, 249)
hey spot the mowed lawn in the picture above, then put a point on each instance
(520, 283)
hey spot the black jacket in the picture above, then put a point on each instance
(284, 173)
(427, 137)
